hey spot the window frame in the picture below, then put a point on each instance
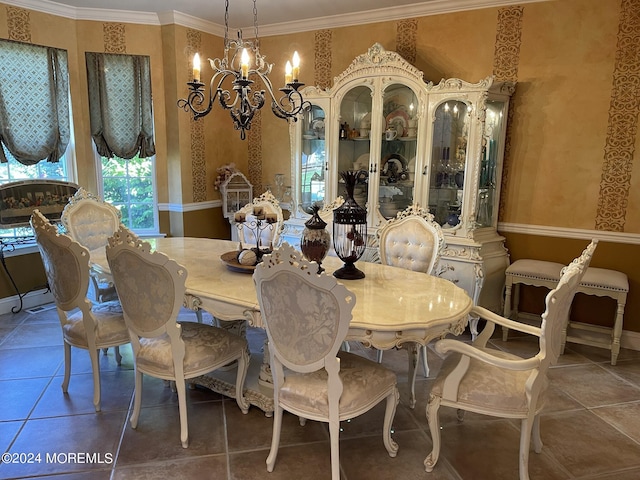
(100, 180)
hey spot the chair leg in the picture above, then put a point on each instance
(243, 366)
(118, 355)
(537, 441)
(379, 356)
(182, 407)
(389, 414)
(525, 441)
(434, 427)
(67, 367)
(95, 366)
(275, 437)
(334, 438)
(137, 400)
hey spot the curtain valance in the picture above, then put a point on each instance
(120, 105)
(34, 102)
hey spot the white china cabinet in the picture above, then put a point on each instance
(437, 145)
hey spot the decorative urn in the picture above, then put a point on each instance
(316, 240)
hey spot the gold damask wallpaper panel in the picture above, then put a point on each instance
(622, 130)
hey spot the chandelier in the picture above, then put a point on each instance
(242, 61)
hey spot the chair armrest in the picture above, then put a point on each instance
(451, 345)
(505, 322)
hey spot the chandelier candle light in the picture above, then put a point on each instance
(238, 69)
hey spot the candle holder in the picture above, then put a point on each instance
(349, 230)
(257, 224)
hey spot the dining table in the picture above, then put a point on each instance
(394, 307)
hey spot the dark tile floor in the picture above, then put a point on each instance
(591, 429)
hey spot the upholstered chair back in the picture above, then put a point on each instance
(305, 328)
(89, 220)
(66, 263)
(412, 240)
(150, 285)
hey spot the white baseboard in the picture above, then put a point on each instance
(32, 299)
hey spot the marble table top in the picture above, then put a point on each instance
(393, 305)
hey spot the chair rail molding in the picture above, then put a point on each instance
(189, 207)
(562, 232)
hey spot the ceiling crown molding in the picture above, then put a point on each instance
(433, 7)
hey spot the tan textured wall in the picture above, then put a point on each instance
(560, 119)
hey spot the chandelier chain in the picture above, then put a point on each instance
(255, 23)
(226, 23)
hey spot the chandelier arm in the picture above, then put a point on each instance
(290, 104)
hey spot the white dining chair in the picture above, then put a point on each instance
(307, 316)
(412, 240)
(90, 221)
(269, 234)
(84, 325)
(488, 381)
(151, 288)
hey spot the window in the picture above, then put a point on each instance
(121, 116)
(129, 185)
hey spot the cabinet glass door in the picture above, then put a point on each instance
(354, 140)
(488, 183)
(448, 160)
(313, 159)
(398, 150)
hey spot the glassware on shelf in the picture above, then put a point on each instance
(316, 240)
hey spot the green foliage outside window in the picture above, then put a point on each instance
(128, 185)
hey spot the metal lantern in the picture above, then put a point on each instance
(316, 241)
(349, 230)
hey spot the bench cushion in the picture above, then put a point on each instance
(593, 277)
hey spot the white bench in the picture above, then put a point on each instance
(596, 281)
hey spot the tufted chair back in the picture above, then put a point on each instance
(89, 220)
(412, 240)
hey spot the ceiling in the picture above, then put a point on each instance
(274, 16)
